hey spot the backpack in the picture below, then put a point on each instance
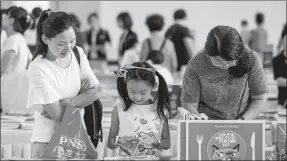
(93, 112)
(151, 51)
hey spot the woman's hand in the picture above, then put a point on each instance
(85, 85)
(281, 82)
(65, 102)
(155, 142)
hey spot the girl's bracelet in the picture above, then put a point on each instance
(158, 143)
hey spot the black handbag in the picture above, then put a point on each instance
(93, 115)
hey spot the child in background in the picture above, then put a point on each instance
(139, 124)
(156, 58)
(131, 54)
(245, 32)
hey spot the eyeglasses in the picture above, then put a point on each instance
(219, 62)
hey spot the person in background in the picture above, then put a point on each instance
(3, 33)
(131, 54)
(156, 58)
(137, 118)
(31, 33)
(97, 38)
(259, 36)
(56, 80)
(280, 70)
(3, 38)
(157, 41)
(182, 39)
(79, 35)
(125, 23)
(225, 80)
(281, 45)
(15, 58)
(245, 32)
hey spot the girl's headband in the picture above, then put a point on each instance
(122, 71)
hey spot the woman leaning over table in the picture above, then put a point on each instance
(225, 80)
(55, 77)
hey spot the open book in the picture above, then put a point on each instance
(184, 114)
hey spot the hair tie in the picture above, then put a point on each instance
(49, 12)
(121, 73)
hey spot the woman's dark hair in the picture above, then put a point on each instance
(145, 75)
(22, 20)
(156, 57)
(179, 14)
(259, 18)
(155, 22)
(225, 41)
(51, 24)
(36, 12)
(131, 41)
(76, 21)
(244, 23)
(94, 14)
(126, 19)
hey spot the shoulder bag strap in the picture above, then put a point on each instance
(162, 45)
(149, 45)
(76, 52)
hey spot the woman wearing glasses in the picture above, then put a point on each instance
(225, 80)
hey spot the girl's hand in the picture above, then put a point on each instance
(85, 85)
(155, 143)
(126, 138)
(64, 102)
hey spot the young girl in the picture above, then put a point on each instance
(139, 125)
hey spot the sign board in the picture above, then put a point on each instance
(221, 140)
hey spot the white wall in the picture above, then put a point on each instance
(202, 16)
(30, 5)
(81, 8)
(5, 4)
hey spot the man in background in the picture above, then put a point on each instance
(182, 39)
(97, 39)
(258, 39)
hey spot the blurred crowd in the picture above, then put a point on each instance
(169, 52)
